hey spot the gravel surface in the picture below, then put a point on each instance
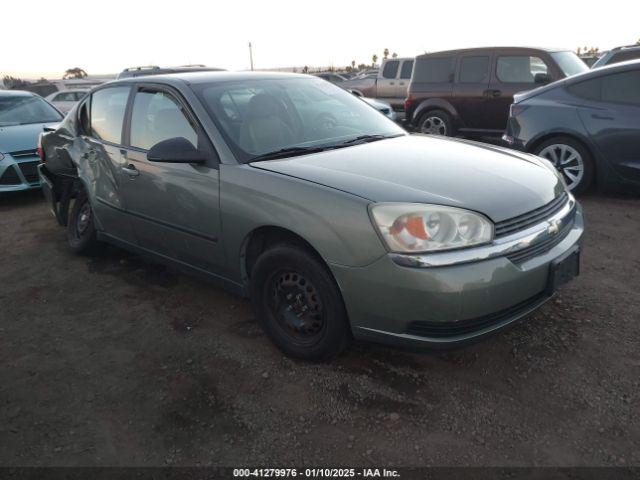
(116, 361)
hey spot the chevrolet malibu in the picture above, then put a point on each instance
(335, 230)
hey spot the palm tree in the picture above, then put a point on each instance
(374, 58)
(386, 53)
(353, 64)
(74, 73)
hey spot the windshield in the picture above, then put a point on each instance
(20, 110)
(262, 116)
(569, 63)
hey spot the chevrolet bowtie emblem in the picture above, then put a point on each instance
(554, 227)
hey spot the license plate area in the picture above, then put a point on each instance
(564, 269)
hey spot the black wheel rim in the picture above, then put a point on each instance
(83, 220)
(295, 304)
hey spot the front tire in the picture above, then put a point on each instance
(571, 159)
(81, 231)
(298, 304)
(436, 122)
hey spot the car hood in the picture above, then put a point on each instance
(497, 182)
(15, 138)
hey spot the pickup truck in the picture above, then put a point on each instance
(389, 84)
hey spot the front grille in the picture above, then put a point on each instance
(522, 222)
(30, 171)
(24, 153)
(463, 327)
(543, 247)
(10, 177)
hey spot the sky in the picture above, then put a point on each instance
(107, 36)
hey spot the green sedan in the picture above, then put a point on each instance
(334, 221)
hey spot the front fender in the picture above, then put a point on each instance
(335, 223)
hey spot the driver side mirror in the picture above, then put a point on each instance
(176, 150)
(542, 78)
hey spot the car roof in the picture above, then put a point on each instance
(605, 70)
(17, 93)
(194, 78)
(485, 49)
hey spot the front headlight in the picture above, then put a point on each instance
(417, 227)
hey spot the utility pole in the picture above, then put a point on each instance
(251, 56)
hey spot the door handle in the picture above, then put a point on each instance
(392, 83)
(401, 83)
(600, 117)
(493, 93)
(131, 170)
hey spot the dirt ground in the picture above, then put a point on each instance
(115, 361)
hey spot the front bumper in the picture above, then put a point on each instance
(403, 305)
(19, 173)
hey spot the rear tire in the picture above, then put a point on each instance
(436, 122)
(298, 304)
(81, 231)
(571, 159)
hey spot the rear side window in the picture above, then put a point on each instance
(434, 70)
(65, 97)
(107, 113)
(519, 68)
(474, 70)
(625, 56)
(622, 87)
(589, 89)
(407, 68)
(390, 69)
(157, 116)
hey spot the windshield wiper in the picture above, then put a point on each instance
(368, 138)
(287, 152)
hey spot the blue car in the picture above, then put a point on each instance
(23, 115)
(587, 126)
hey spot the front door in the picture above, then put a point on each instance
(387, 82)
(513, 73)
(174, 207)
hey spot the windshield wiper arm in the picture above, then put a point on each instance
(287, 152)
(368, 138)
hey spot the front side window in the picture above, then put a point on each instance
(434, 70)
(107, 113)
(157, 116)
(407, 68)
(622, 88)
(24, 109)
(474, 70)
(520, 68)
(390, 69)
(265, 115)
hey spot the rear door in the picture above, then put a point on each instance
(613, 120)
(513, 72)
(100, 151)
(174, 207)
(470, 90)
(388, 79)
(405, 77)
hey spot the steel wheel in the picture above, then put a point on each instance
(434, 126)
(567, 160)
(83, 220)
(296, 306)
